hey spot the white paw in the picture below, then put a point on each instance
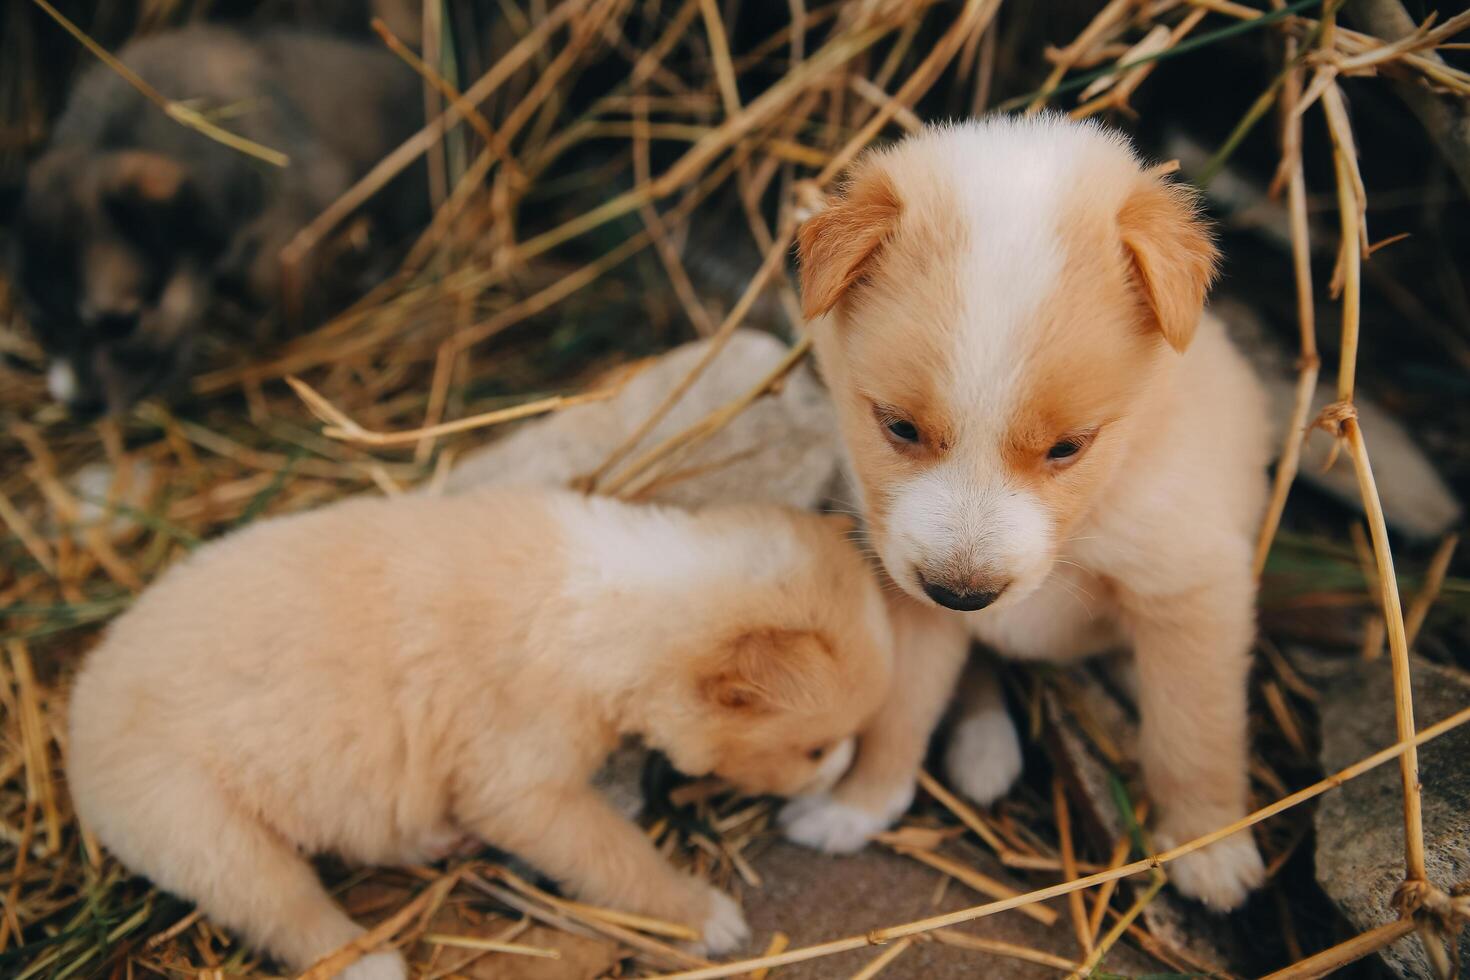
(1222, 875)
(825, 824)
(984, 756)
(725, 929)
(378, 966)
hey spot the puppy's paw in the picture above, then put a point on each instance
(379, 966)
(984, 756)
(1222, 875)
(724, 928)
(827, 824)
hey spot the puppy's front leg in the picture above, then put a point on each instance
(983, 758)
(574, 835)
(929, 650)
(1193, 652)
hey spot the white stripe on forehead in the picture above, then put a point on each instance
(1011, 177)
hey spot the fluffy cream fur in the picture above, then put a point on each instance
(1046, 430)
(379, 678)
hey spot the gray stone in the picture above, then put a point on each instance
(782, 449)
(1360, 826)
(1416, 499)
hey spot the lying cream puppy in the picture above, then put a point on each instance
(380, 678)
(1050, 439)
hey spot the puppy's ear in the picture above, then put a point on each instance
(837, 242)
(768, 670)
(1172, 254)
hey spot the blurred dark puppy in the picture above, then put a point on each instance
(131, 226)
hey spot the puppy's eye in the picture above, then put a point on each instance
(1065, 451)
(899, 428)
(903, 430)
(816, 754)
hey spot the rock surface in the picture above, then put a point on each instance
(1360, 828)
(782, 449)
(1416, 499)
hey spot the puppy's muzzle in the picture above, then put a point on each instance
(962, 598)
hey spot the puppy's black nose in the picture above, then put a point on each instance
(962, 601)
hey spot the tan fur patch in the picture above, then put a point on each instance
(836, 243)
(1172, 255)
(377, 677)
(1086, 368)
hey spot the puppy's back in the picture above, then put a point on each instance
(333, 609)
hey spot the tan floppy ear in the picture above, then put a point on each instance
(768, 670)
(1172, 253)
(835, 243)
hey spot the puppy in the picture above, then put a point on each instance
(132, 226)
(1054, 446)
(381, 678)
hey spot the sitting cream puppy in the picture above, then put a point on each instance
(380, 678)
(1054, 448)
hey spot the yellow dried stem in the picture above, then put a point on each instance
(1434, 577)
(779, 942)
(340, 426)
(1106, 889)
(26, 532)
(491, 946)
(418, 144)
(1308, 363)
(494, 143)
(663, 245)
(638, 474)
(178, 112)
(1109, 18)
(881, 961)
(980, 944)
(1331, 960)
(1398, 650)
(598, 913)
(425, 902)
(966, 814)
(36, 743)
(1351, 205)
(973, 18)
(1285, 721)
(719, 45)
(570, 920)
(979, 881)
(876, 97)
(880, 936)
(1069, 863)
(775, 258)
(1125, 921)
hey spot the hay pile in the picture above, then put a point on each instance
(601, 152)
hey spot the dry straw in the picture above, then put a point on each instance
(409, 367)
